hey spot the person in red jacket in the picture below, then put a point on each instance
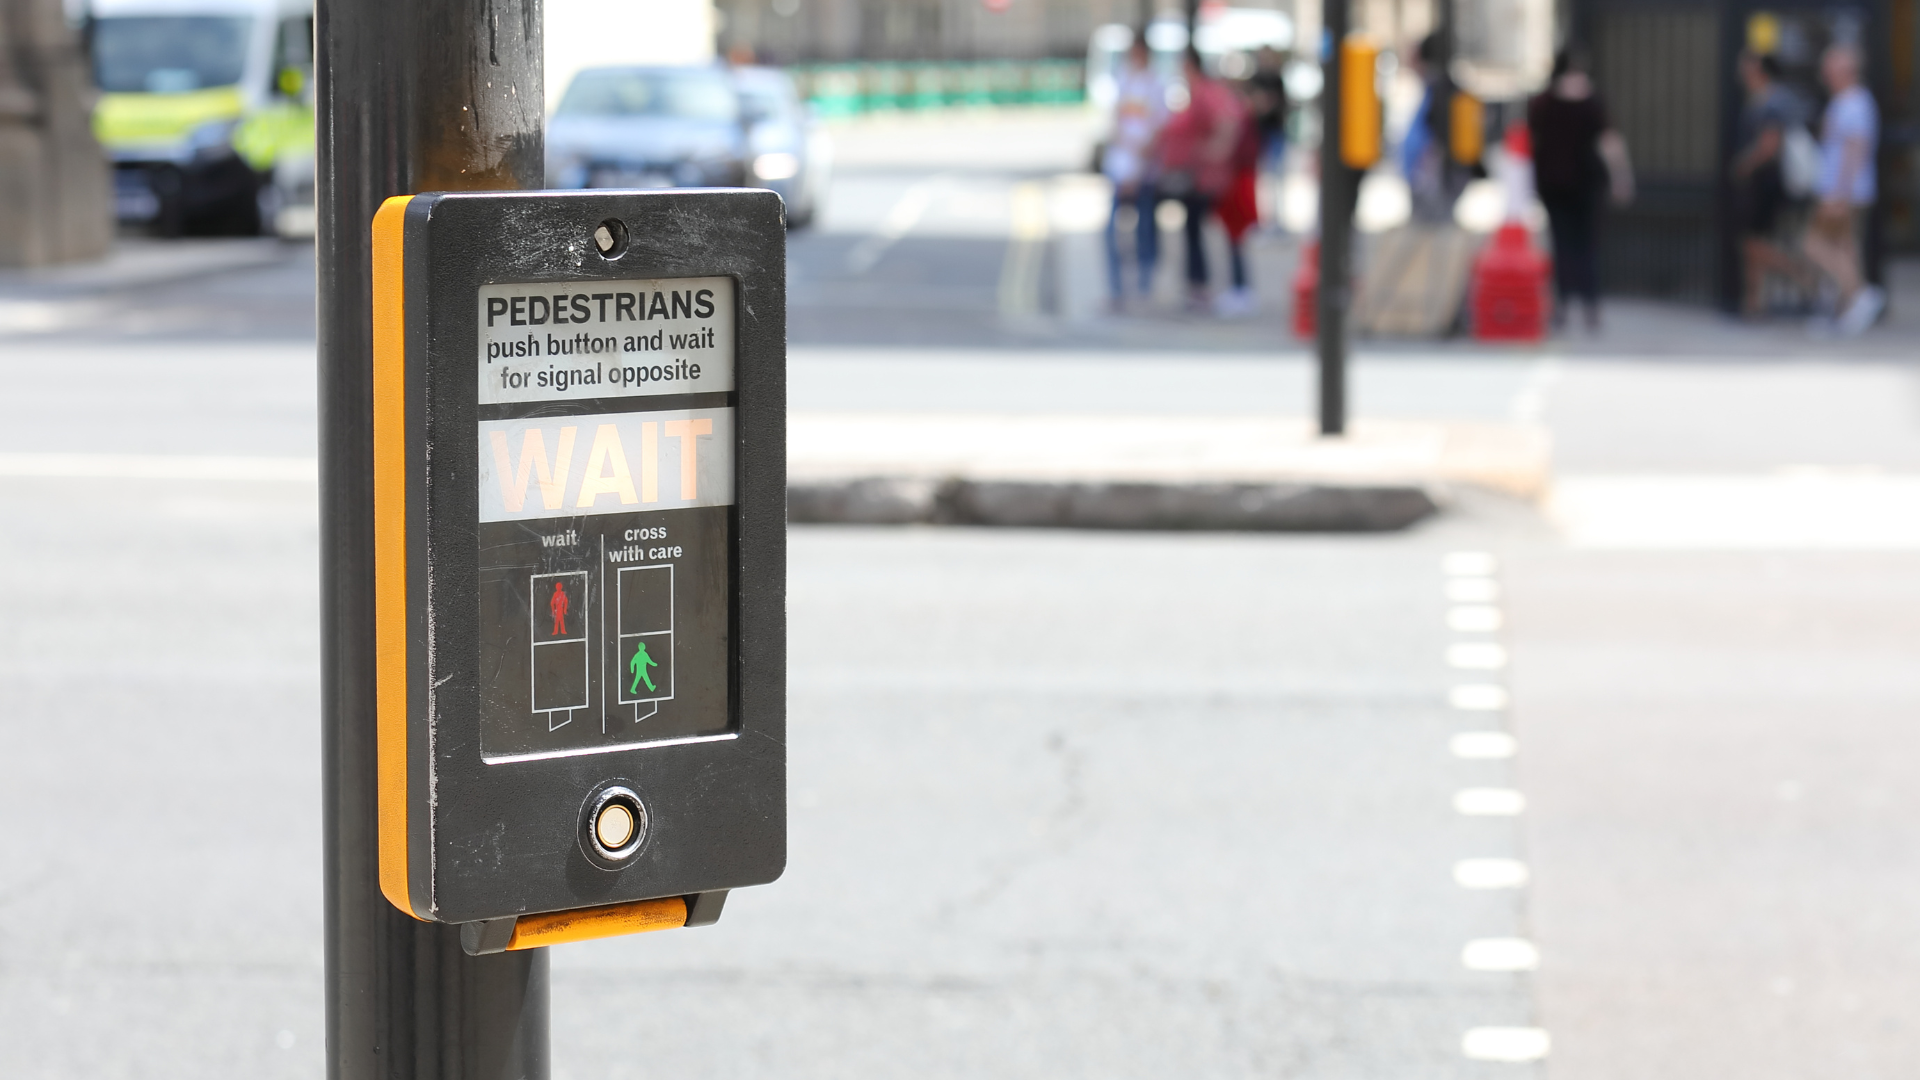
(1195, 152)
(1239, 208)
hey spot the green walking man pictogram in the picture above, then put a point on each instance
(639, 665)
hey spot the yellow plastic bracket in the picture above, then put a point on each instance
(390, 546)
(1359, 102)
(586, 924)
(1466, 128)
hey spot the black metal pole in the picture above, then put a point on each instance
(427, 95)
(1441, 78)
(1338, 187)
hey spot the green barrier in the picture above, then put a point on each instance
(929, 86)
(1007, 82)
(1056, 82)
(852, 89)
(833, 90)
(973, 85)
(884, 87)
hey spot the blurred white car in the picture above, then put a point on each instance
(649, 127)
(688, 126)
(791, 154)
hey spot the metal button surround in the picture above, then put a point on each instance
(614, 824)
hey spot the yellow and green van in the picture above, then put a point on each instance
(203, 103)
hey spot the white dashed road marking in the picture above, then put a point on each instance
(1477, 656)
(1490, 873)
(1474, 619)
(1469, 564)
(1489, 802)
(1512, 1044)
(1479, 697)
(1473, 590)
(900, 220)
(1483, 745)
(1500, 954)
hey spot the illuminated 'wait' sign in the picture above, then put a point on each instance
(605, 463)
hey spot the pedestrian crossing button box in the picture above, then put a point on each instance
(579, 456)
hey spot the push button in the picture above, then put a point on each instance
(613, 824)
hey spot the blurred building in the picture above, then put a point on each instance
(802, 31)
(55, 202)
(581, 34)
(812, 31)
(853, 56)
(1498, 35)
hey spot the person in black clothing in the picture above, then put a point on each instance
(1266, 92)
(1759, 181)
(1435, 180)
(1577, 157)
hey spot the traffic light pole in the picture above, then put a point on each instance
(429, 95)
(1339, 186)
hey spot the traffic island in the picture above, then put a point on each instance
(1234, 473)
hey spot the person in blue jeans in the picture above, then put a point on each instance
(1139, 112)
(1196, 157)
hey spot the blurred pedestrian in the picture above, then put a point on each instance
(1849, 139)
(1239, 207)
(1434, 180)
(1266, 93)
(1196, 162)
(1772, 113)
(1577, 157)
(1139, 112)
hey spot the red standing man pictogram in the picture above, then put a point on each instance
(558, 605)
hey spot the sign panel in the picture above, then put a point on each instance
(605, 463)
(580, 513)
(649, 337)
(578, 618)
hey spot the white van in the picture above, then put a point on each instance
(201, 101)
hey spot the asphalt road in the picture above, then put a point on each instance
(1063, 804)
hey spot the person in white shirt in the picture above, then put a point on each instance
(1849, 138)
(1139, 112)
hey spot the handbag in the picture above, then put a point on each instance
(1799, 161)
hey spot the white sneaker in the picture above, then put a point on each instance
(1865, 310)
(1233, 303)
